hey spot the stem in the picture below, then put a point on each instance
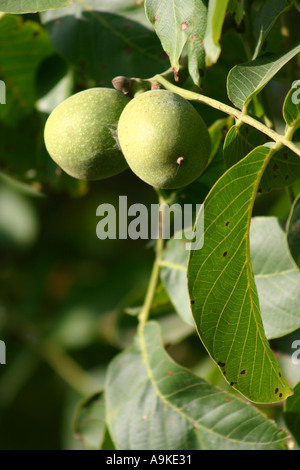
(58, 359)
(66, 368)
(190, 95)
(144, 314)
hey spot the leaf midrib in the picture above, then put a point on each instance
(183, 415)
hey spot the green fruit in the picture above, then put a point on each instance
(81, 134)
(164, 140)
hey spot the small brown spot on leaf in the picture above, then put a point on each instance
(276, 391)
(227, 399)
(184, 26)
(221, 364)
(227, 223)
(192, 302)
(170, 372)
(225, 254)
(247, 129)
(275, 167)
(243, 372)
(280, 395)
(232, 383)
(279, 373)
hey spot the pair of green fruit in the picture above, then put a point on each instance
(164, 140)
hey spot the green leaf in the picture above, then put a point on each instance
(237, 8)
(246, 80)
(23, 46)
(103, 40)
(215, 19)
(265, 19)
(221, 284)
(174, 276)
(31, 6)
(239, 141)
(283, 168)
(177, 24)
(153, 403)
(292, 413)
(291, 106)
(89, 423)
(293, 230)
(277, 277)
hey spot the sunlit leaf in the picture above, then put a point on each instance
(246, 80)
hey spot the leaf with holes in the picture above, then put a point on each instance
(215, 19)
(153, 403)
(178, 24)
(222, 290)
(277, 277)
(246, 80)
(282, 170)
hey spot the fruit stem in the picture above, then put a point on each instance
(192, 96)
(144, 314)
